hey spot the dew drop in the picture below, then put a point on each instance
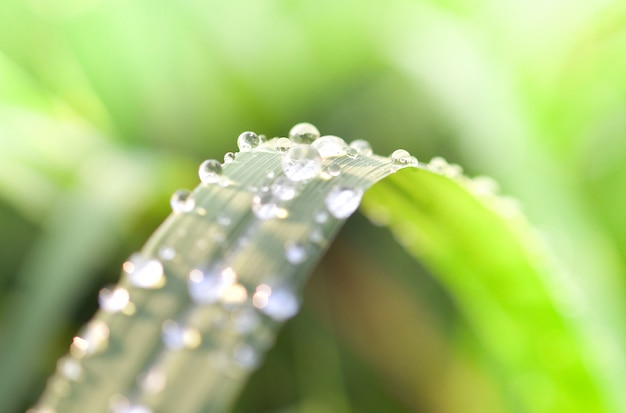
(333, 170)
(304, 133)
(362, 147)
(113, 300)
(264, 206)
(283, 188)
(296, 252)
(210, 171)
(181, 201)
(245, 356)
(283, 144)
(453, 171)
(302, 162)
(176, 336)
(320, 217)
(281, 304)
(70, 368)
(353, 153)
(438, 165)
(144, 273)
(330, 146)
(206, 287)
(341, 202)
(229, 157)
(317, 236)
(401, 158)
(484, 185)
(92, 339)
(247, 140)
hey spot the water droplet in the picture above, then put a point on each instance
(247, 140)
(224, 220)
(296, 252)
(121, 404)
(341, 202)
(330, 146)
(144, 273)
(245, 356)
(229, 157)
(353, 153)
(264, 206)
(113, 300)
(261, 296)
(167, 253)
(283, 144)
(320, 217)
(302, 162)
(92, 339)
(333, 170)
(453, 171)
(283, 188)
(206, 287)
(70, 368)
(438, 165)
(401, 158)
(210, 171)
(153, 381)
(281, 304)
(176, 337)
(362, 147)
(181, 201)
(304, 133)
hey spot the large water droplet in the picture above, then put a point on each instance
(304, 133)
(113, 300)
(248, 140)
(330, 146)
(281, 304)
(296, 252)
(283, 188)
(92, 339)
(206, 287)
(283, 144)
(210, 171)
(401, 158)
(302, 162)
(341, 202)
(144, 273)
(181, 201)
(362, 147)
(176, 336)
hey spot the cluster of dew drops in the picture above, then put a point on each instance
(305, 156)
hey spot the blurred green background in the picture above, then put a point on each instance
(107, 106)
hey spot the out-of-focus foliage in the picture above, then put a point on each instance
(106, 106)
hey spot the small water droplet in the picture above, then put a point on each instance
(121, 404)
(229, 157)
(167, 253)
(210, 171)
(281, 304)
(264, 206)
(438, 165)
(453, 171)
(304, 133)
(144, 273)
(224, 220)
(176, 336)
(353, 153)
(401, 159)
(113, 300)
(181, 201)
(320, 217)
(317, 236)
(362, 147)
(283, 144)
(206, 287)
(70, 368)
(330, 146)
(296, 252)
(302, 162)
(92, 339)
(245, 356)
(248, 140)
(333, 170)
(283, 188)
(341, 202)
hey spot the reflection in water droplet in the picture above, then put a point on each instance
(248, 140)
(362, 147)
(176, 337)
(304, 133)
(401, 158)
(144, 273)
(296, 253)
(330, 146)
(181, 201)
(341, 202)
(70, 368)
(281, 304)
(207, 287)
(283, 188)
(301, 162)
(245, 356)
(92, 339)
(210, 171)
(283, 144)
(114, 299)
